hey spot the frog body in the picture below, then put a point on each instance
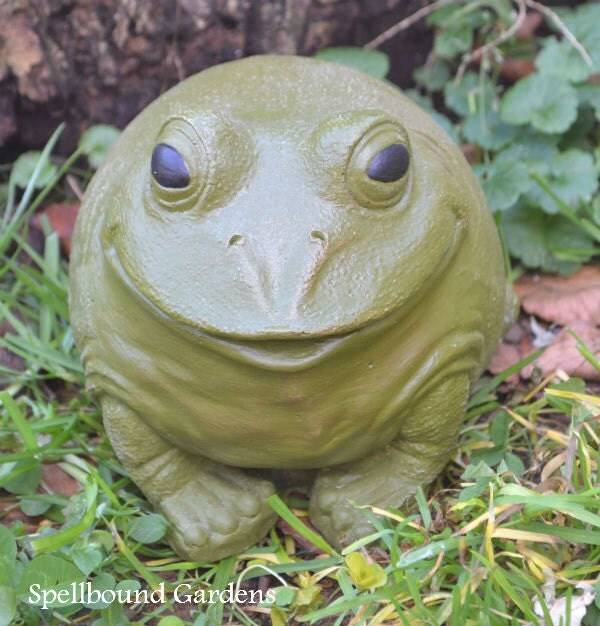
(283, 264)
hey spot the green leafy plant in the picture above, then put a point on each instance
(535, 140)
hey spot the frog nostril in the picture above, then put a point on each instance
(318, 236)
(235, 240)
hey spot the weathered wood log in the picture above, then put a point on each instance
(88, 61)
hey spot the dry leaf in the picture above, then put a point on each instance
(562, 353)
(62, 220)
(562, 299)
(58, 480)
(557, 607)
(516, 345)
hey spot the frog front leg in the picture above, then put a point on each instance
(390, 476)
(214, 510)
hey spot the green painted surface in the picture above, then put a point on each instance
(267, 302)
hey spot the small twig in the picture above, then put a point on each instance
(567, 34)
(502, 37)
(407, 22)
(75, 187)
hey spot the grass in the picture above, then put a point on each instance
(502, 537)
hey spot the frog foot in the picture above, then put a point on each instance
(213, 517)
(214, 510)
(388, 478)
(337, 499)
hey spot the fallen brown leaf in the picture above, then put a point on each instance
(62, 220)
(562, 299)
(515, 345)
(58, 480)
(562, 353)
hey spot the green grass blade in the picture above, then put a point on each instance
(279, 506)
(68, 535)
(19, 420)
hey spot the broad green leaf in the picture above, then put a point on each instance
(149, 528)
(583, 24)
(365, 575)
(8, 545)
(101, 538)
(534, 237)
(453, 40)
(8, 605)
(8, 569)
(171, 620)
(560, 58)
(284, 596)
(128, 585)
(532, 148)
(589, 94)
(582, 21)
(433, 76)
(503, 182)
(96, 141)
(32, 507)
(441, 16)
(98, 584)
(596, 209)
(371, 62)
(22, 477)
(572, 177)
(51, 573)
(499, 428)
(478, 470)
(23, 169)
(87, 558)
(487, 130)
(472, 95)
(514, 464)
(114, 615)
(546, 102)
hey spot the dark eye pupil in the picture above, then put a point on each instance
(389, 164)
(169, 168)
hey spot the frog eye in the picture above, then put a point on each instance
(178, 166)
(378, 169)
(389, 164)
(169, 168)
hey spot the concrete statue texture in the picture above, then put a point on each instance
(284, 264)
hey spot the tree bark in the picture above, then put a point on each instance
(90, 61)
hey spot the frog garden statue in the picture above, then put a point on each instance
(283, 264)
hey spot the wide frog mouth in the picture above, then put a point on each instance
(282, 349)
(278, 347)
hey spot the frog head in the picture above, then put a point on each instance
(285, 198)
